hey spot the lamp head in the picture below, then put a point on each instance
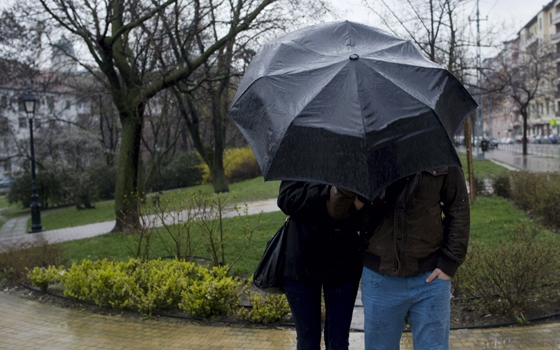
(29, 102)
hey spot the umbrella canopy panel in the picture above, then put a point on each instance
(350, 105)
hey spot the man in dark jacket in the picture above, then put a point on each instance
(417, 234)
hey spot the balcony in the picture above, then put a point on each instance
(554, 38)
(556, 18)
(533, 38)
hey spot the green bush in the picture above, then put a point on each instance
(239, 164)
(524, 186)
(214, 295)
(501, 184)
(508, 277)
(183, 170)
(267, 308)
(160, 283)
(106, 283)
(146, 286)
(42, 277)
(538, 194)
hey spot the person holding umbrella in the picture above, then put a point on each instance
(322, 258)
(350, 106)
(417, 233)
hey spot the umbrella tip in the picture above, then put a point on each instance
(354, 57)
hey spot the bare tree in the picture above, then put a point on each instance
(525, 76)
(123, 40)
(205, 97)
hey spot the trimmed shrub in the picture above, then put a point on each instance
(214, 295)
(42, 277)
(504, 278)
(267, 308)
(146, 286)
(538, 194)
(501, 184)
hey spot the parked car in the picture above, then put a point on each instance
(506, 140)
(5, 183)
(553, 138)
(519, 139)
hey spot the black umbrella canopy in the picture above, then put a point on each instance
(349, 105)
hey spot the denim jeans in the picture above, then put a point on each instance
(388, 299)
(305, 303)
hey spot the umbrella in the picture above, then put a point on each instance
(348, 105)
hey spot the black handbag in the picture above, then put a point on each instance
(269, 275)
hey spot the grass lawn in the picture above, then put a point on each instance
(490, 219)
(121, 246)
(240, 192)
(482, 168)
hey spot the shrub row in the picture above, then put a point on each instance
(537, 193)
(512, 276)
(160, 285)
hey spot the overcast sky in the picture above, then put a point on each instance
(514, 13)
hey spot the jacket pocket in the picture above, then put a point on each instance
(431, 183)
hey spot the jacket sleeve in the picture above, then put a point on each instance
(456, 221)
(300, 198)
(339, 202)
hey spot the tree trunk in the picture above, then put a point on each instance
(524, 139)
(126, 193)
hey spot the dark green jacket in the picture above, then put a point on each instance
(419, 223)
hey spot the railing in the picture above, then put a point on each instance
(548, 150)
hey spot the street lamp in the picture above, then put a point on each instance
(29, 102)
(158, 152)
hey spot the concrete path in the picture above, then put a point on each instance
(13, 232)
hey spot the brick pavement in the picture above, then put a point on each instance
(27, 324)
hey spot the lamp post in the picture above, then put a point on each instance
(29, 102)
(159, 184)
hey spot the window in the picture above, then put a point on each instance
(67, 104)
(22, 121)
(37, 123)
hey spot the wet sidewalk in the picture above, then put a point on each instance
(31, 325)
(513, 159)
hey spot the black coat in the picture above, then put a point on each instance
(319, 248)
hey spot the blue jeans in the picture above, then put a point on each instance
(305, 303)
(388, 299)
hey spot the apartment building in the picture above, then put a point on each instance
(540, 35)
(57, 104)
